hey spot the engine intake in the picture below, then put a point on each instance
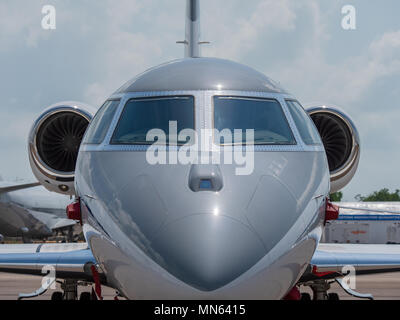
(59, 138)
(341, 141)
(54, 143)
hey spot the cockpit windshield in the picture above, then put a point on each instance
(142, 115)
(101, 122)
(305, 125)
(264, 116)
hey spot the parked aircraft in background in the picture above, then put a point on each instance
(195, 230)
(31, 212)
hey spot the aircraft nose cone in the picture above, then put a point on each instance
(208, 251)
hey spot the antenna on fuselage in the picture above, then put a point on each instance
(192, 38)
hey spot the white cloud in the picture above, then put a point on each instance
(20, 24)
(128, 55)
(16, 123)
(344, 82)
(122, 12)
(387, 48)
(235, 37)
(129, 36)
(358, 74)
(128, 50)
(14, 130)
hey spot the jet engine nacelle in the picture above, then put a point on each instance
(54, 142)
(341, 141)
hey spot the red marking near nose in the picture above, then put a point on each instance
(293, 295)
(321, 274)
(331, 211)
(74, 211)
(97, 283)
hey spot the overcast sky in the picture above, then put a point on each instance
(98, 45)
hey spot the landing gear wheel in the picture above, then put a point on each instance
(305, 297)
(333, 297)
(57, 296)
(85, 296)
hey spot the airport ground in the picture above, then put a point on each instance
(383, 287)
(11, 285)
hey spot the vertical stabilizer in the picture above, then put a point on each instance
(192, 41)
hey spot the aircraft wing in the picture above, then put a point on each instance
(330, 260)
(52, 221)
(70, 261)
(371, 207)
(11, 188)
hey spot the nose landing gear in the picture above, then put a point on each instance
(321, 287)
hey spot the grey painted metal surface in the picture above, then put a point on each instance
(214, 244)
(192, 32)
(157, 212)
(201, 74)
(70, 261)
(6, 188)
(16, 221)
(363, 257)
(156, 237)
(32, 212)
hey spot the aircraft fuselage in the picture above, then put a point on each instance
(157, 236)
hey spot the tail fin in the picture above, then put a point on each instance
(192, 46)
(192, 41)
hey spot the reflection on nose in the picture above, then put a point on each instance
(208, 251)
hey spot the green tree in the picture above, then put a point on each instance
(383, 195)
(337, 196)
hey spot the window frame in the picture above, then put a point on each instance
(109, 126)
(170, 97)
(321, 143)
(295, 142)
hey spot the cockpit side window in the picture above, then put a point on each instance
(304, 123)
(101, 122)
(142, 115)
(264, 116)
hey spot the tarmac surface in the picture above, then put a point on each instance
(11, 285)
(382, 287)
